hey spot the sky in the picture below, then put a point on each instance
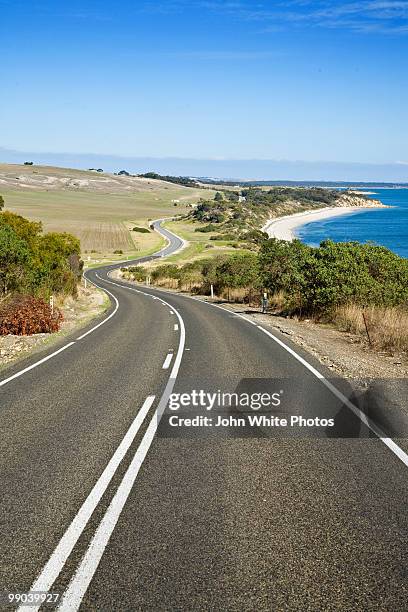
(302, 83)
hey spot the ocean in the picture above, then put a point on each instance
(387, 227)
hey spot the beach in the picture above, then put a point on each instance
(284, 228)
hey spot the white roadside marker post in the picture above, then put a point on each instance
(212, 291)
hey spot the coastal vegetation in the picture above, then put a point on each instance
(239, 214)
(335, 282)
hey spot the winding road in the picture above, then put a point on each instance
(107, 504)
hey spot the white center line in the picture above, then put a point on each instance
(79, 584)
(56, 562)
(167, 361)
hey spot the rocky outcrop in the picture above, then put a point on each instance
(355, 199)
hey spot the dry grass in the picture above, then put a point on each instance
(277, 301)
(387, 327)
(105, 236)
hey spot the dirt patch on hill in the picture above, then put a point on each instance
(48, 178)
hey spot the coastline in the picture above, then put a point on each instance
(283, 228)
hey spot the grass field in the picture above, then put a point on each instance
(200, 246)
(101, 213)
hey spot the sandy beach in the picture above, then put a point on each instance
(284, 228)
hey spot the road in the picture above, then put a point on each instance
(114, 509)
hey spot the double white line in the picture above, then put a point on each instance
(79, 583)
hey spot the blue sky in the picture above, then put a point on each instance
(298, 80)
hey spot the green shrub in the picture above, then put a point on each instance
(141, 230)
(36, 263)
(317, 280)
(223, 237)
(139, 273)
(165, 271)
(207, 228)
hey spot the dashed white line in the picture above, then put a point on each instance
(176, 327)
(167, 361)
(392, 446)
(65, 546)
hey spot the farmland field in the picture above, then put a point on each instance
(100, 210)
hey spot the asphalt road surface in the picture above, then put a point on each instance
(109, 505)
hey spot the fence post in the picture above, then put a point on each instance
(366, 326)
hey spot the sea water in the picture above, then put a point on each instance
(387, 226)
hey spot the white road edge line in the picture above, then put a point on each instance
(34, 365)
(54, 565)
(44, 359)
(392, 446)
(359, 413)
(167, 361)
(107, 318)
(78, 586)
(37, 363)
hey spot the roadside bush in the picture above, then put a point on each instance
(207, 228)
(237, 271)
(223, 237)
(15, 259)
(316, 281)
(118, 252)
(190, 276)
(138, 273)
(141, 230)
(165, 271)
(36, 263)
(25, 315)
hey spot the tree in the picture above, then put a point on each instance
(14, 261)
(1, 203)
(25, 229)
(59, 266)
(238, 271)
(282, 267)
